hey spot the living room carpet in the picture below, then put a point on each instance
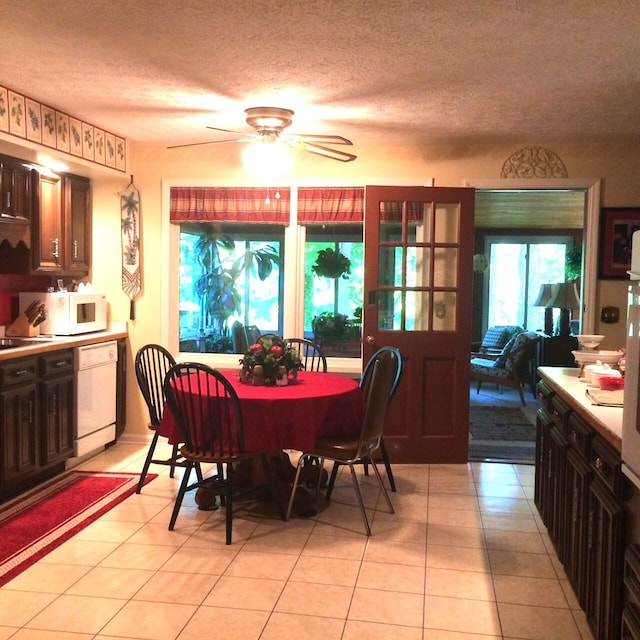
(500, 423)
(502, 434)
(40, 520)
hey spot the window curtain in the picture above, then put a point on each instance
(223, 204)
(334, 205)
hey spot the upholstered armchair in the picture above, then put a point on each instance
(513, 368)
(495, 340)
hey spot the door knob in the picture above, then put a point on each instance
(371, 340)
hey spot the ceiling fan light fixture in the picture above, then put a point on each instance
(267, 158)
(269, 119)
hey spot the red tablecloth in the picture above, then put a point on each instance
(291, 417)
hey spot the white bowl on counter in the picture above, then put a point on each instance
(593, 357)
(590, 341)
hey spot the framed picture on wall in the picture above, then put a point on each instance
(617, 225)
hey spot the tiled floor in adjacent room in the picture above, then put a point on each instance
(465, 557)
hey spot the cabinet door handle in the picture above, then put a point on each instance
(590, 530)
(54, 404)
(8, 200)
(60, 363)
(75, 249)
(18, 373)
(56, 244)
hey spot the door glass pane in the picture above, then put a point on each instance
(444, 311)
(390, 221)
(445, 272)
(386, 316)
(417, 311)
(447, 223)
(390, 266)
(417, 266)
(419, 221)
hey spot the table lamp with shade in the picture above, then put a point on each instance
(564, 296)
(544, 297)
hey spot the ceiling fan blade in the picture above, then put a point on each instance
(321, 139)
(242, 133)
(341, 156)
(196, 144)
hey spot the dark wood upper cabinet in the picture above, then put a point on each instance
(47, 242)
(77, 224)
(62, 227)
(17, 183)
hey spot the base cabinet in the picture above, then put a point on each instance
(580, 492)
(57, 401)
(19, 438)
(37, 408)
(121, 388)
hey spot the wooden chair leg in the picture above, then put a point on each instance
(181, 491)
(147, 462)
(174, 456)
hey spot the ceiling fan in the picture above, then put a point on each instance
(270, 123)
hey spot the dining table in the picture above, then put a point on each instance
(290, 417)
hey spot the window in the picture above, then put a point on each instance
(232, 271)
(228, 274)
(333, 305)
(517, 268)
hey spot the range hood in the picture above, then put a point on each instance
(15, 229)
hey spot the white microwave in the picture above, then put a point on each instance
(69, 313)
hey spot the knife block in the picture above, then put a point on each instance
(22, 328)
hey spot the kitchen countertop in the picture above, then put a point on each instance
(45, 344)
(607, 421)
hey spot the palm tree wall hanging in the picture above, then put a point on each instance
(130, 224)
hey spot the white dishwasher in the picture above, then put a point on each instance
(96, 371)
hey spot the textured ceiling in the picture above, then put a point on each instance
(391, 70)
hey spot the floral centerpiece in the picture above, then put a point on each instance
(269, 361)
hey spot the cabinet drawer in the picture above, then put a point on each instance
(579, 434)
(607, 464)
(544, 393)
(56, 363)
(560, 411)
(18, 372)
(632, 572)
(630, 622)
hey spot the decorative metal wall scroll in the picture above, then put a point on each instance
(534, 162)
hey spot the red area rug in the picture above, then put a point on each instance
(42, 519)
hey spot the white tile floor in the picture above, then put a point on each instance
(465, 557)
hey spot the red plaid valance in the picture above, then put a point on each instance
(223, 204)
(322, 205)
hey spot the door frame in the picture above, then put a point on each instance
(591, 228)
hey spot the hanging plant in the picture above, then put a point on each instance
(332, 264)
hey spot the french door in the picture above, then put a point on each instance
(418, 292)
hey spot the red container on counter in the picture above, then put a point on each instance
(611, 383)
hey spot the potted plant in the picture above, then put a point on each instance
(216, 286)
(332, 264)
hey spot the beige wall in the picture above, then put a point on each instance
(448, 165)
